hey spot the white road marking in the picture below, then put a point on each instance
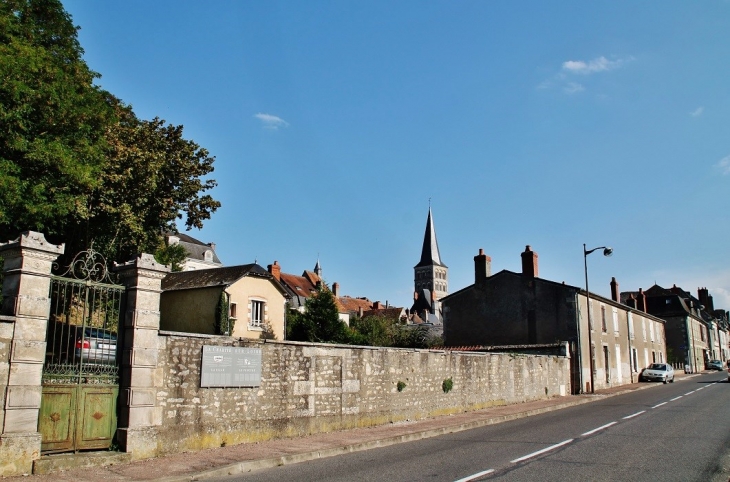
(634, 415)
(663, 403)
(597, 429)
(475, 476)
(548, 449)
(676, 398)
(689, 393)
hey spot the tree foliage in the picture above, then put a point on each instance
(75, 162)
(320, 321)
(223, 322)
(172, 255)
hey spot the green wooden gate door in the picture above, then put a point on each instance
(81, 370)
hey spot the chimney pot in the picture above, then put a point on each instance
(482, 266)
(529, 263)
(614, 290)
(275, 270)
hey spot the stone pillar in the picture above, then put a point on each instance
(140, 414)
(23, 324)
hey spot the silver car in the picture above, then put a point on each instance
(657, 372)
(96, 346)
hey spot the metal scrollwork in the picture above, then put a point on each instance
(88, 265)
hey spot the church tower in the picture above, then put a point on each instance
(430, 273)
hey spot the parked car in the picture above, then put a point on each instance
(96, 346)
(657, 372)
(715, 365)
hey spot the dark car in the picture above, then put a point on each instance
(97, 346)
(715, 365)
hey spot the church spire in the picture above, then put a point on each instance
(318, 268)
(430, 252)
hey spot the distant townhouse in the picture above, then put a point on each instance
(609, 349)
(695, 331)
(200, 255)
(256, 301)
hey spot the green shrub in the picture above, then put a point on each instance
(401, 385)
(447, 385)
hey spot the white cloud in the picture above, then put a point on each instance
(724, 165)
(599, 64)
(697, 112)
(573, 87)
(570, 68)
(271, 121)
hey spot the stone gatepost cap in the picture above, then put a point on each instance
(142, 261)
(33, 240)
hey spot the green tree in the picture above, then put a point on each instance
(372, 331)
(172, 255)
(320, 321)
(52, 140)
(75, 162)
(223, 323)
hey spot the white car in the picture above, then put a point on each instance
(657, 372)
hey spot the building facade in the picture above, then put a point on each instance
(609, 342)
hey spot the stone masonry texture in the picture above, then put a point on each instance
(309, 388)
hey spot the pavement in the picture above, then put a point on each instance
(238, 459)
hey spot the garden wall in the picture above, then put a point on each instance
(308, 388)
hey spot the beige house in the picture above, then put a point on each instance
(256, 301)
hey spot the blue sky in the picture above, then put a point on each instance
(551, 124)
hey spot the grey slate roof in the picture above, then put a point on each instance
(206, 278)
(196, 249)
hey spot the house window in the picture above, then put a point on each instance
(590, 314)
(651, 330)
(232, 309)
(702, 333)
(257, 313)
(643, 329)
(615, 321)
(604, 328)
(631, 325)
(634, 360)
(607, 364)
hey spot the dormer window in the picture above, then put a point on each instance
(208, 256)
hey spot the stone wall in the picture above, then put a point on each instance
(308, 388)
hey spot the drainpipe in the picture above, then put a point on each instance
(631, 350)
(579, 351)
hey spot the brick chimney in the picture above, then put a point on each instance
(631, 301)
(275, 270)
(705, 299)
(482, 267)
(614, 290)
(529, 263)
(641, 300)
(336, 289)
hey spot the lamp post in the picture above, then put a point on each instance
(606, 252)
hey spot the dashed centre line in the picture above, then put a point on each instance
(634, 415)
(689, 393)
(675, 398)
(659, 405)
(597, 429)
(539, 452)
(475, 476)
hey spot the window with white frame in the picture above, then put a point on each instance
(651, 330)
(634, 360)
(615, 321)
(631, 325)
(257, 312)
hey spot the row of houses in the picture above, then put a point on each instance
(610, 340)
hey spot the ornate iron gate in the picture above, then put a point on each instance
(80, 382)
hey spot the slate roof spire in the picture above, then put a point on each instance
(430, 252)
(318, 268)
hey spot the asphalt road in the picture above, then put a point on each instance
(673, 432)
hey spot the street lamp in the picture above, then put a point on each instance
(606, 252)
